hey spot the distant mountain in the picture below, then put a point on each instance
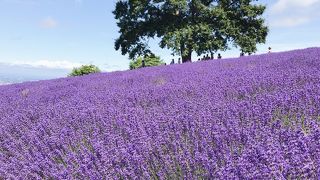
(21, 73)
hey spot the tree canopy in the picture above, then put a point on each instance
(187, 26)
(149, 60)
(84, 70)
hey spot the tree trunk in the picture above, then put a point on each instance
(186, 58)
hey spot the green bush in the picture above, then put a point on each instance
(150, 60)
(84, 70)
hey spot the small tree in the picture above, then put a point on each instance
(84, 70)
(150, 60)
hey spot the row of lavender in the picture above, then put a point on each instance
(255, 117)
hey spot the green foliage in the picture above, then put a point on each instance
(186, 26)
(84, 70)
(149, 60)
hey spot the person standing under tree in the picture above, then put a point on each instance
(269, 50)
(143, 63)
(219, 56)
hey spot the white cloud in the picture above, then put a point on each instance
(282, 5)
(112, 67)
(291, 13)
(49, 22)
(290, 21)
(47, 64)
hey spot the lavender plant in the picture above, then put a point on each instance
(257, 117)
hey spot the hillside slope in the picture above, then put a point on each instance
(253, 117)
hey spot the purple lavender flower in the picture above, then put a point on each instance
(257, 117)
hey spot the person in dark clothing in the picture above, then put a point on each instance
(207, 57)
(219, 56)
(172, 62)
(204, 57)
(143, 63)
(179, 61)
(241, 54)
(212, 55)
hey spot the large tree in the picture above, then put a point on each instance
(186, 26)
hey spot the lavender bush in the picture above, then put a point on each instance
(255, 117)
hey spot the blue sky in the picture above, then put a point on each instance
(62, 34)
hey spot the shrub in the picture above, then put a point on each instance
(84, 70)
(150, 60)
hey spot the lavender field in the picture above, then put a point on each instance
(255, 117)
